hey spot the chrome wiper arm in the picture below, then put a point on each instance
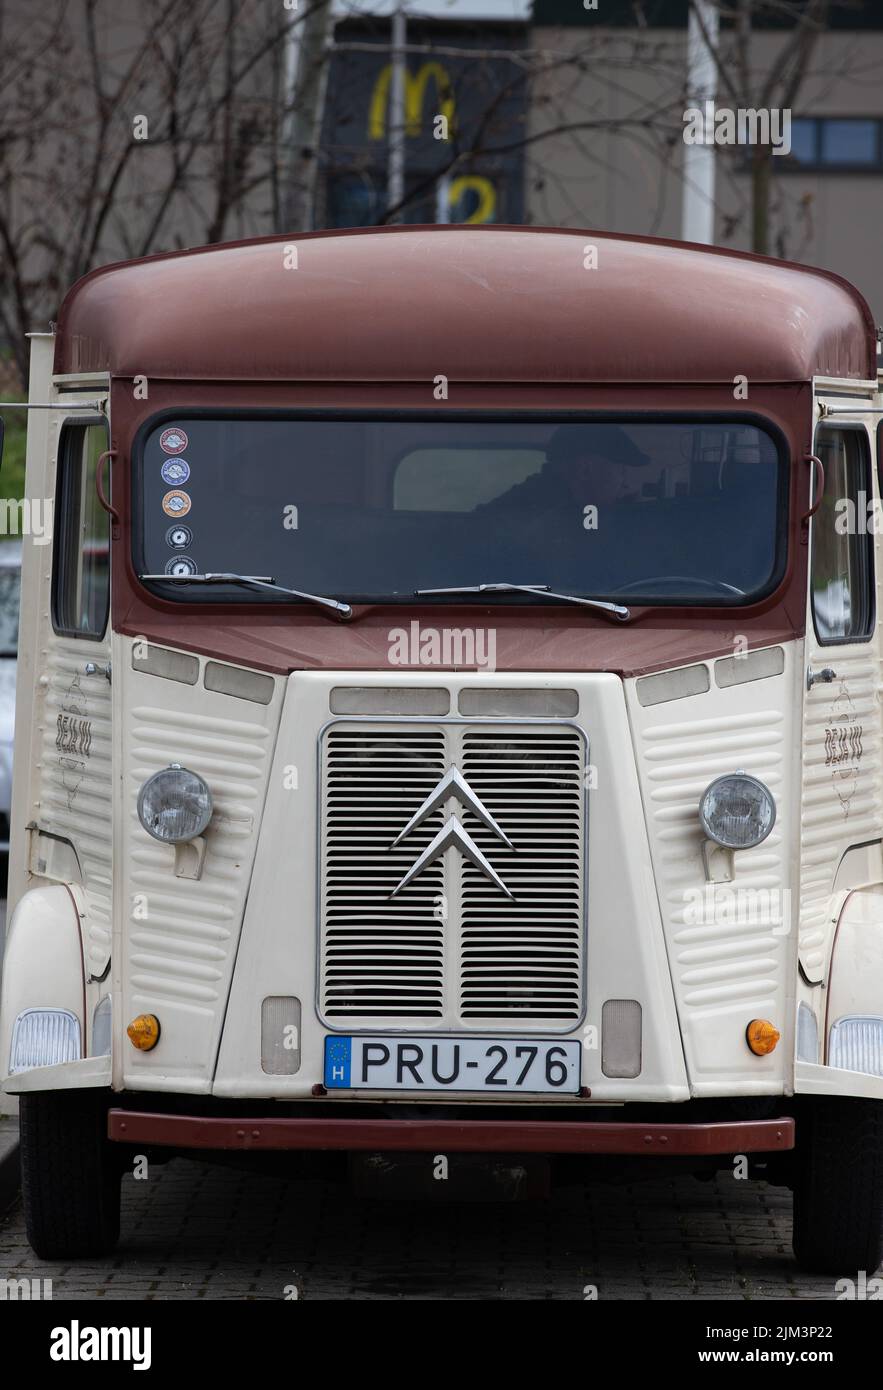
(617, 610)
(256, 581)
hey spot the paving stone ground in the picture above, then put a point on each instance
(204, 1231)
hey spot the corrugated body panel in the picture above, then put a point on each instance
(841, 787)
(731, 944)
(180, 949)
(719, 959)
(180, 935)
(74, 778)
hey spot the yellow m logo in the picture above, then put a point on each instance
(415, 97)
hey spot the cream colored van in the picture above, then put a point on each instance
(448, 719)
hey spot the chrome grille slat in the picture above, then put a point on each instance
(495, 959)
(380, 959)
(532, 783)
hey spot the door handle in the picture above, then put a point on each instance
(825, 676)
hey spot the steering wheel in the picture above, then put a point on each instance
(716, 585)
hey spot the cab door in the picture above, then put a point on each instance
(841, 791)
(62, 804)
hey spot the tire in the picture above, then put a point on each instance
(838, 1186)
(70, 1178)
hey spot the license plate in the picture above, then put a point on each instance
(493, 1065)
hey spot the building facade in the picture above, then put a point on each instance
(606, 127)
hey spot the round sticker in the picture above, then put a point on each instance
(176, 503)
(175, 471)
(181, 564)
(173, 441)
(179, 536)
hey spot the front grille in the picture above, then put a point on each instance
(451, 949)
(521, 959)
(381, 958)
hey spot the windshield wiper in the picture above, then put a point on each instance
(255, 581)
(616, 610)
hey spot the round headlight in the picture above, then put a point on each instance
(174, 805)
(737, 811)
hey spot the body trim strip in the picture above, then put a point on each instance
(452, 1136)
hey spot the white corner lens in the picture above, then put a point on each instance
(44, 1038)
(856, 1043)
(737, 811)
(174, 805)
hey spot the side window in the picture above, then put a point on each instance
(81, 566)
(842, 540)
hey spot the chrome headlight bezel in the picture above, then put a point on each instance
(757, 786)
(174, 775)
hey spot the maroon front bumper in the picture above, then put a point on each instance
(451, 1136)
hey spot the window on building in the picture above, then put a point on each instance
(81, 565)
(828, 143)
(804, 141)
(848, 142)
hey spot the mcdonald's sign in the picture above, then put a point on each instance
(416, 85)
(463, 92)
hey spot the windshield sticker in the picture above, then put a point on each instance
(181, 564)
(173, 441)
(175, 471)
(176, 503)
(179, 537)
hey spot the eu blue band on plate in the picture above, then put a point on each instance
(338, 1057)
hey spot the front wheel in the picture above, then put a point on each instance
(838, 1187)
(70, 1178)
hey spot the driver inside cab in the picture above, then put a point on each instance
(594, 466)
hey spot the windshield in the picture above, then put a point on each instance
(10, 595)
(371, 509)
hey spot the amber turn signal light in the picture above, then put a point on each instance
(143, 1032)
(761, 1036)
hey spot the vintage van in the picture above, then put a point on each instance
(449, 719)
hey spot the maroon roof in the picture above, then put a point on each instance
(483, 304)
